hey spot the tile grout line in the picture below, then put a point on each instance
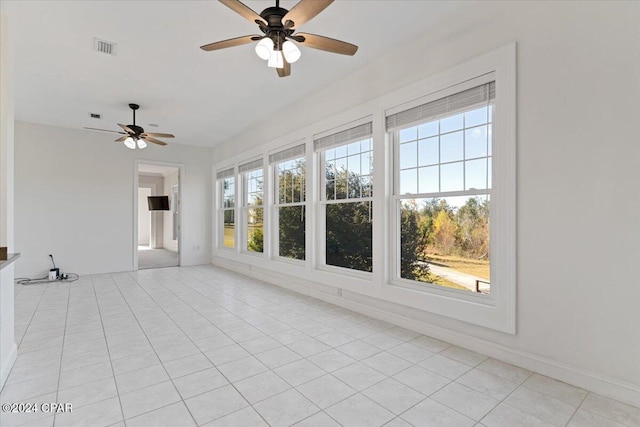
(351, 364)
(115, 284)
(578, 408)
(322, 411)
(236, 343)
(251, 355)
(178, 326)
(66, 317)
(507, 396)
(30, 321)
(331, 373)
(95, 296)
(248, 300)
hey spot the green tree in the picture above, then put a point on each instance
(292, 232)
(292, 219)
(349, 236)
(413, 242)
(256, 240)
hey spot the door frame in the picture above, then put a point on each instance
(134, 240)
(152, 220)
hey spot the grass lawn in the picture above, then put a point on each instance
(475, 267)
(441, 281)
(448, 283)
(229, 237)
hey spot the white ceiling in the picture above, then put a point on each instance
(202, 97)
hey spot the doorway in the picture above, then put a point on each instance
(157, 213)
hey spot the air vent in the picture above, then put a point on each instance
(95, 115)
(104, 46)
(153, 125)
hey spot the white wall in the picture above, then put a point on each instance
(578, 180)
(168, 243)
(157, 219)
(144, 217)
(8, 349)
(75, 196)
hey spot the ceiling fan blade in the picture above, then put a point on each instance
(105, 130)
(230, 42)
(286, 70)
(155, 141)
(244, 10)
(122, 138)
(303, 12)
(328, 44)
(157, 135)
(126, 128)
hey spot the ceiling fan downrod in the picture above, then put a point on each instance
(134, 107)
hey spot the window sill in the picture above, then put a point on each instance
(443, 291)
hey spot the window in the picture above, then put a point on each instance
(290, 195)
(444, 169)
(443, 163)
(253, 210)
(347, 197)
(226, 184)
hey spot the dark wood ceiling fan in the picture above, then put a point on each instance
(278, 26)
(135, 135)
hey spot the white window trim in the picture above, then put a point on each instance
(397, 197)
(497, 310)
(275, 205)
(220, 215)
(245, 207)
(322, 202)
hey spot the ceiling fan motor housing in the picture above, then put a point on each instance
(137, 129)
(275, 30)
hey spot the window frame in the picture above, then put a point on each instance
(397, 197)
(497, 310)
(222, 209)
(323, 202)
(276, 205)
(245, 207)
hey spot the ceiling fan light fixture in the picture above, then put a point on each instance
(142, 143)
(264, 48)
(130, 143)
(276, 60)
(291, 52)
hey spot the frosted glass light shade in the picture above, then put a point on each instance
(291, 52)
(264, 48)
(130, 143)
(142, 143)
(276, 60)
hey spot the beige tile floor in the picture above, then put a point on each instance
(202, 346)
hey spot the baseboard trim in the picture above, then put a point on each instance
(588, 380)
(7, 365)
